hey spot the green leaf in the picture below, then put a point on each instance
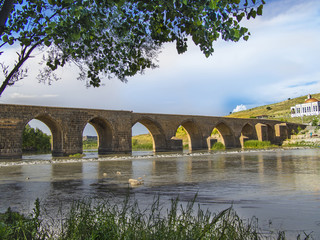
(185, 2)
(212, 4)
(5, 38)
(259, 10)
(246, 38)
(47, 43)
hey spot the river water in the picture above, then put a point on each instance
(280, 187)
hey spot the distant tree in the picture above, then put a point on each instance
(116, 38)
(35, 140)
(268, 108)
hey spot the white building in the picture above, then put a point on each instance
(311, 106)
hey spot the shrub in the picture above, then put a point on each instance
(218, 146)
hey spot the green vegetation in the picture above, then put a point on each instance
(106, 220)
(301, 144)
(14, 225)
(77, 155)
(218, 146)
(34, 140)
(258, 144)
(142, 142)
(113, 38)
(277, 111)
(90, 144)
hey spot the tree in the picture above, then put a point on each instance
(35, 140)
(115, 38)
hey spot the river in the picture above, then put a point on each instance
(280, 187)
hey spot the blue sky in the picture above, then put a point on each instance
(280, 60)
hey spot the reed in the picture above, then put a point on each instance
(106, 220)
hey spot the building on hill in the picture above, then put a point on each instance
(310, 107)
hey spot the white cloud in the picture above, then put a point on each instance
(239, 108)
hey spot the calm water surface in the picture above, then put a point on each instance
(281, 188)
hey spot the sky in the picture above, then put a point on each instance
(279, 61)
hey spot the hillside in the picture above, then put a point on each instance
(144, 141)
(277, 111)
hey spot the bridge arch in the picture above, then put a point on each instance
(105, 134)
(248, 132)
(227, 135)
(56, 132)
(194, 134)
(156, 131)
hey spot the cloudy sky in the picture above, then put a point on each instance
(280, 60)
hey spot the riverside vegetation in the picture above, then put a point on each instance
(106, 220)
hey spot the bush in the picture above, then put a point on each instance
(218, 146)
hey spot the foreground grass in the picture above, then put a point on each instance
(106, 220)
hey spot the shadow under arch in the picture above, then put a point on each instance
(247, 133)
(194, 134)
(157, 133)
(56, 133)
(104, 132)
(271, 134)
(227, 136)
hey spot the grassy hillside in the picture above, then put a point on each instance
(277, 111)
(144, 141)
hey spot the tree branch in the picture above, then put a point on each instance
(16, 68)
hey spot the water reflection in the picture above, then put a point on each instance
(279, 185)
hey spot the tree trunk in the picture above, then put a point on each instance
(4, 13)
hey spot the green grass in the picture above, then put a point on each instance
(255, 144)
(90, 144)
(106, 220)
(218, 146)
(142, 142)
(301, 144)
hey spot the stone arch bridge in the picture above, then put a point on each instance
(114, 129)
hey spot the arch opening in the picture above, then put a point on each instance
(148, 135)
(42, 134)
(183, 135)
(222, 134)
(103, 133)
(271, 134)
(141, 138)
(190, 135)
(247, 133)
(89, 138)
